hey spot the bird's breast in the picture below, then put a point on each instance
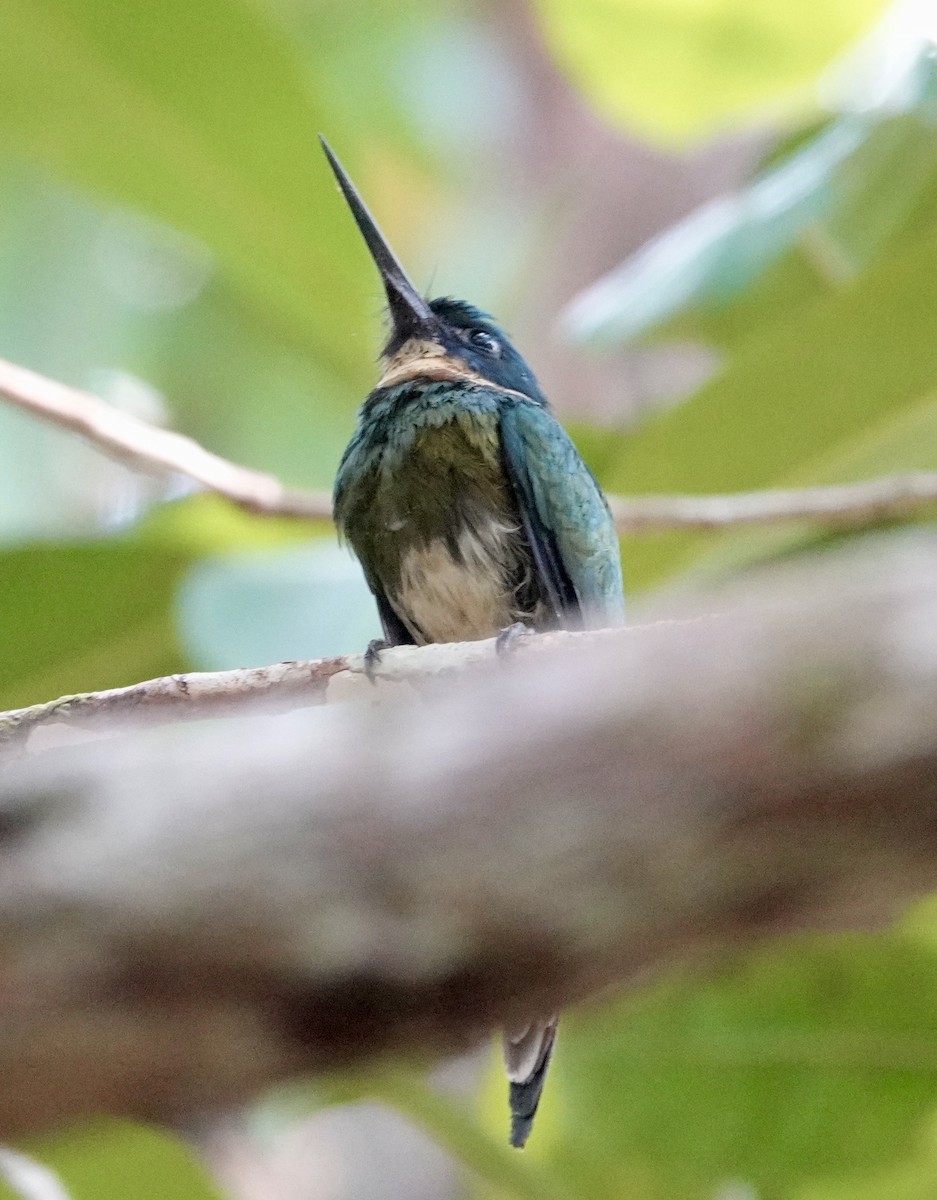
(435, 523)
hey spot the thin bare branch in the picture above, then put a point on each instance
(151, 449)
(187, 915)
(889, 498)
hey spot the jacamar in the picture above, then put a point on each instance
(470, 510)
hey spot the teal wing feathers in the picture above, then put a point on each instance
(566, 519)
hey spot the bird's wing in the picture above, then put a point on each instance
(352, 469)
(566, 519)
(527, 1053)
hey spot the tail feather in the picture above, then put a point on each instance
(527, 1054)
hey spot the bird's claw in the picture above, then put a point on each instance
(510, 638)
(372, 657)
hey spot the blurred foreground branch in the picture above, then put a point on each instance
(146, 447)
(191, 913)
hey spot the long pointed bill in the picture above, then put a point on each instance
(409, 311)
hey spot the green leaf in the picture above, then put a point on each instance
(115, 1160)
(84, 616)
(905, 441)
(911, 1178)
(80, 618)
(821, 396)
(864, 186)
(809, 1061)
(675, 69)
(204, 116)
(74, 306)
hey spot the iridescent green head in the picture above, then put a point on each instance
(441, 339)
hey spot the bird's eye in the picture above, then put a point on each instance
(483, 340)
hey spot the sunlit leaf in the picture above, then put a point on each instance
(675, 69)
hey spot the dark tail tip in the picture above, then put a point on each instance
(524, 1099)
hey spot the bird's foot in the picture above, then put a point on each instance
(510, 638)
(372, 657)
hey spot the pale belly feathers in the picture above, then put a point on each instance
(446, 597)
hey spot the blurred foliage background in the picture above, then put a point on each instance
(711, 226)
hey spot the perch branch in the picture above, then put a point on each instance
(187, 915)
(192, 696)
(147, 447)
(282, 686)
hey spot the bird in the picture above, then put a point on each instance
(471, 513)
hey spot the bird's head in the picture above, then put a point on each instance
(445, 339)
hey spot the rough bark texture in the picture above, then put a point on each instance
(190, 913)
